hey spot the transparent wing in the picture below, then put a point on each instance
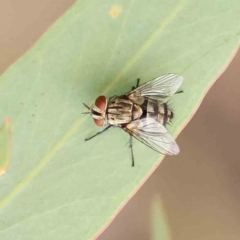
(160, 88)
(154, 135)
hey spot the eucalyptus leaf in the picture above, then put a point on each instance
(57, 185)
(5, 143)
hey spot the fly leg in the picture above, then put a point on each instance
(131, 147)
(138, 80)
(130, 140)
(98, 133)
(179, 92)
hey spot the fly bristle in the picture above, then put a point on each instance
(170, 107)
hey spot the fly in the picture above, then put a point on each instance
(142, 113)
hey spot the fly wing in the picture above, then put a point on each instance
(154, 135)
(160, 89)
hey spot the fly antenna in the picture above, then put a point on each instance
(86, 106)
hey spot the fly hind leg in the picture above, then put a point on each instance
(131, 147)
(98, 133)
(180, 91)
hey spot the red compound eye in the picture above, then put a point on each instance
(101, 103)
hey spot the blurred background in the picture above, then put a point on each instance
(199, 189)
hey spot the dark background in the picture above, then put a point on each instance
(200, 188)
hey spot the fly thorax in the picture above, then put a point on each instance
(121, 111)
(136, 112)
(136, 97)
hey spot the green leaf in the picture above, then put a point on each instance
(5, 145)
(58, 186)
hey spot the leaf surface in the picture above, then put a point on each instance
(58, 186)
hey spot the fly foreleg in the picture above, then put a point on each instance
(131, 147)
(98, 133)
(138, 81)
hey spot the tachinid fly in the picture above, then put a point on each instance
(142, 112)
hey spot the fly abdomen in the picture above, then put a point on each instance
(152, 110)
(164, 114)
(159, 112)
